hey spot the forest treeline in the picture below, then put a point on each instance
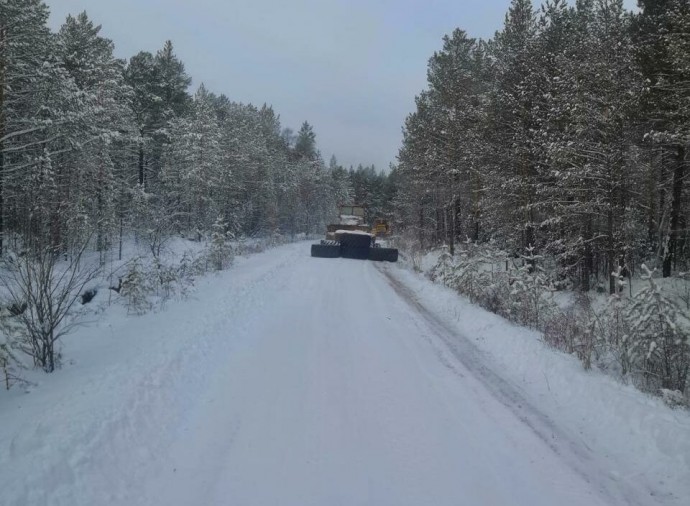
(94, 148)
(567, 132)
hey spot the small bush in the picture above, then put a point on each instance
(444, 270)
(496, 294)
(220, 252)
(136, 289)
(644, 337)
(573, 330)
(657, 344)
(42, 291)
(529, 302)
(674, 398)
(164, 279)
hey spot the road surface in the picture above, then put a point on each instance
(345, 396)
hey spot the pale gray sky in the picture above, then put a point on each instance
(349, 67)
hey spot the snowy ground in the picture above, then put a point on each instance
(291, 380)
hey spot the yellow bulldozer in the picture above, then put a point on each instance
(381, 227)
(352, 237)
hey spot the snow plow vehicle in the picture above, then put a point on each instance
(353, 238)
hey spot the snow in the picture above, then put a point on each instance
(302, 381)
(429, 260)
(355, 232)
(350, 219)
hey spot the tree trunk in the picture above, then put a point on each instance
(142, 180)
(119, 253)
(457, 213)
(421, 227)
(661, 209)
(451, 231)
(2, 191)
(670, 258)
(474, 208)
(100, 239)
(3, 36)
(587, 261)
(49, 361)
(652, 225)
(610, 253)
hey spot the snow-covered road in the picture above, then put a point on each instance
(291, 380)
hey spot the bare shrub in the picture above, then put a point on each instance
(9, 364)
(410, 251)
(574, 330)
(444, 270)
(675, 398)
(164, 279)
(169, 280)
(49, 288)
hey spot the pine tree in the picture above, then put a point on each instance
(305, 144)
(595, 89)
(220, 251)
(140, 75)
(512, 129)
(39, 108)
(135, 289)
(90, 186)
(191, 166)
(160, 86)
(456, 87)
(661, 50)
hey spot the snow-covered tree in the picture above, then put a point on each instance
(160, 86)
(658, 343)
(512, 170)
(39, 112)
(661, 29)
(305, 144)
(95, 166)
(220, 250)
(191, 166)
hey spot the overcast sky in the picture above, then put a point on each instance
(349, 67)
